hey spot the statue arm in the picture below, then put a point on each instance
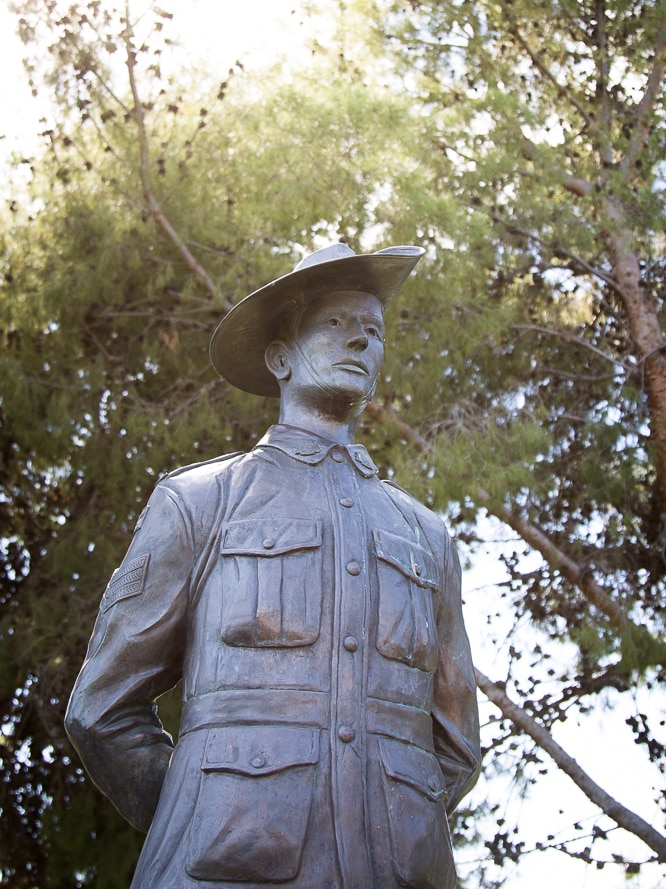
(135, 654)
(455, 710)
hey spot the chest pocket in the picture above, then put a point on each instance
(408, 581)
(271, 582)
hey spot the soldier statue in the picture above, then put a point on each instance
(313, 614)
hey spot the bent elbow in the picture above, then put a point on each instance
(80, 721)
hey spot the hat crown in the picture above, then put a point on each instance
(238, 346)
(326, 254)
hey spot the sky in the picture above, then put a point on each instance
(219, 32)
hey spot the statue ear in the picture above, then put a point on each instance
(277, 357)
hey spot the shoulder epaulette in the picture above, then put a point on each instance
(182, 469)
(388, 481)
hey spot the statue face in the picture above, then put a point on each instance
(338, 348)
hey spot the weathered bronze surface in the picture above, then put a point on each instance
(313, 614)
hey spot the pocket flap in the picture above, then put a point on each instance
(408, 557)
(412, 766)
(260, 750)
(269, 537)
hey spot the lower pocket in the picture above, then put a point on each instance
(254, 804)
(421, 852)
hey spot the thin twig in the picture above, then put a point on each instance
(570, 338)
(560, 251)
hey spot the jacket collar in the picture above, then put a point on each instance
(307, 447)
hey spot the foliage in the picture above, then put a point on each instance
(106, 380)
(524, 372)
(546, 127)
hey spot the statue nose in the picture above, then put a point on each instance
(358, 341)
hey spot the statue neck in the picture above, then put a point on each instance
(323, 422)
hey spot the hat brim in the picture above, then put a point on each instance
(238, 346)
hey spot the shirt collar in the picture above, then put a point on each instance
(307, 447)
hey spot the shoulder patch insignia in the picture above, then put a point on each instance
(126, 581)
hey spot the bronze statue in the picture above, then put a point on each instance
(313, 613)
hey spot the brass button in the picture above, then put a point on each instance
(338, 456)
(346, 501)
(258, 762)
(346, 734)
(433, 784)
(350, 643)
(353, 568)
(269, 543)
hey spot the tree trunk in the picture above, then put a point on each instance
(646, 331)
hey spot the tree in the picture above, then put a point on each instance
(517, 381)
(151, 208)
(545, 407)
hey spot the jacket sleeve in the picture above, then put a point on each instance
(135, 654)
(455, 710)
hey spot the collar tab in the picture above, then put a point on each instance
(306, 447)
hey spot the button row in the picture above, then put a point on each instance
(345, 733)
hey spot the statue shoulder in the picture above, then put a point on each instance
(432, 524)
(400, 496)
(204, 468)
(188, 496)
(198, 476)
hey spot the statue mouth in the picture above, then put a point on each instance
(353, 365)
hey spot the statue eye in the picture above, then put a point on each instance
(333, 322)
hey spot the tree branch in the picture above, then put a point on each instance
(556, 249)
(580, 187)
(634, 636)
(384, 415)
(573, 184)
(604, 113)
(576, 574)
(146, 182)
(577, 341)
(622, 816)
(549, 75)
(641, 129)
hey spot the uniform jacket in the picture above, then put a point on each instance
(329, 716)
